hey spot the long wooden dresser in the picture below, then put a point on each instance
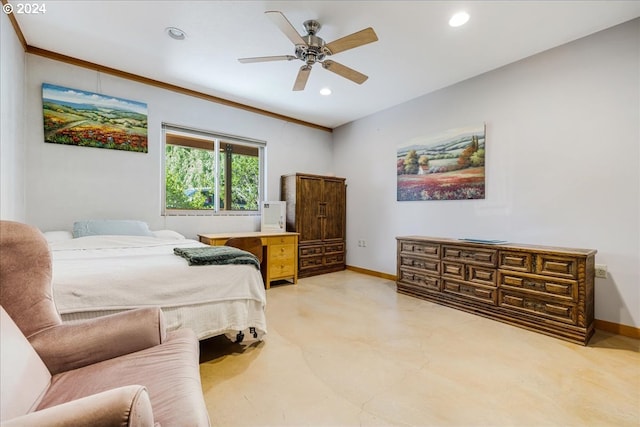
(543, 289)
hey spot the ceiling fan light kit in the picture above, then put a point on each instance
(312, 49)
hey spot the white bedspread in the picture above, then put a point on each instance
(113, 273)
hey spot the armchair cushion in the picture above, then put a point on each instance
(73, 345)
(170, 372)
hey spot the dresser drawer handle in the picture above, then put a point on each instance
(534, 285)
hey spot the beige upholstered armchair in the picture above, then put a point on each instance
(118, 370)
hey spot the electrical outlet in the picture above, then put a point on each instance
(601, 271)
(364, 243)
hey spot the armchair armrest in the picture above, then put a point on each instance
(124, 406)
(73, 345)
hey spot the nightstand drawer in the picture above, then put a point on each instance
(282, 252)
(281, 269)
(282, 240)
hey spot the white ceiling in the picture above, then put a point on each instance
(417, 51)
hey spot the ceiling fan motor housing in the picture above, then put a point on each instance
(314, 51)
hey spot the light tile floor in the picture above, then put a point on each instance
(344, 349)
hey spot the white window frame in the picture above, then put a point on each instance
(216, 138)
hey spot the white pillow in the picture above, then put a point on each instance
(111, 227)
(57, 236)
(168, 234)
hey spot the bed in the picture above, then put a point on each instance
(96, 275)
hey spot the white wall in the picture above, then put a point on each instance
(12, 152)
(67, 183)
(563, 162)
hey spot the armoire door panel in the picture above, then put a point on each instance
(309, 209)
(334, 196)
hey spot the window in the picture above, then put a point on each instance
(211, 173)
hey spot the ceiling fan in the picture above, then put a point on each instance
(311, 49)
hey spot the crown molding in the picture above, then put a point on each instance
(148, 81)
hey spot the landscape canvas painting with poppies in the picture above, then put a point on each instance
(78, 117)
(445, 166)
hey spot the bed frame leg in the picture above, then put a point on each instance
(240, 335)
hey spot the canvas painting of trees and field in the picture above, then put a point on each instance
(446, 166)
(86, 119)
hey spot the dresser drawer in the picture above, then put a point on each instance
(420, 248)
(482, 275)
(559, 266)
(518, 261)
(310, 262)
(555, 310)
(453, 270)
(331, 259)
(477, 293)
(333, 248)
(310, 250)
(558, 288)
(486, 257)
(419, 279)
(427, 264)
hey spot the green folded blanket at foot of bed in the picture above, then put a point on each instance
(217, 255)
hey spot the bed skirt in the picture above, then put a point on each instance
(229, 318)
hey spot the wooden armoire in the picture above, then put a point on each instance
(316, 209)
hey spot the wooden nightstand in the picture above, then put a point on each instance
(280, 257)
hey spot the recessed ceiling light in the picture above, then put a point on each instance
(325, 91)
(175, 33)
(459, 19)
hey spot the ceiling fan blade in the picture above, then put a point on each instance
(267, 58)
(285, 26)
(360, 38)
(303, 76)
(344, 71)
